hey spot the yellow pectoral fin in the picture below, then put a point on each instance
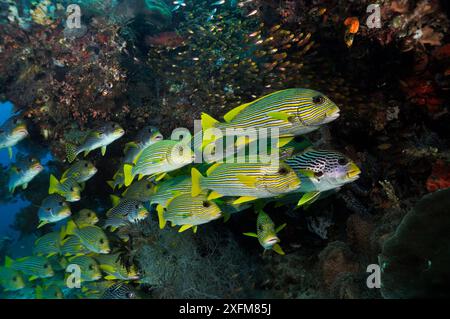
(280, 228)
(10, 152)
(244, 199)
(277, 248)
(279, 116)
(284, 140)
(184, 228)
(103, 150)
(249, 181)
(251, 235)
(308, 198)
(41, 224)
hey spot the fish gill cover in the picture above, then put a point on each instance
(358, 96)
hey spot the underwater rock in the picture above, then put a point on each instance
(359, 230)
(413, 261)
(336, 259)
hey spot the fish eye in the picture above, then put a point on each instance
(136, 206)
(130, 295)
(2, 131)
(86, 165)
(89, 215)
(206, 204)
(318, 99)
(149, 186)
(14, 279)
(318, 174)
(101, 241)
(61, 204)
(56, 295)
(48, 209)
(16, 121)
(91, 267)
(46, 266)
(342, 161)
(19, 169)
(283, 171)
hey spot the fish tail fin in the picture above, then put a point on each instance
(208, 122)
(196, 182)
(71, 152)
(111, 184)
(128, 174)
(54, 183)
(70, 228)
(162, 220)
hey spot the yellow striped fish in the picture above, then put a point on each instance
(67, 187)
(12, 132)
(48, 245)
(11, 280)
(72, 246)
(23, 172)
(34, 266)
(86, 217)
(159, 158)
(266, 233)
(112, 265)
(81, 171)
(53, 209)
(170, 188)
(90, 270)
(140, 190)
(248, 180)
(293, 111)
(187, 211)
(91, 237)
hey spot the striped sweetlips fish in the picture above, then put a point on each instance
(322, 170)
(188, 211)
(12, 132)
(159, 158)
(246, 179)
(23, 172)
(293, 112)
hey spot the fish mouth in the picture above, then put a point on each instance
(332, 115)
(271, 241)
(353, 172)
(119, 132)
(21, 130)
(37, 167)
(105, 251)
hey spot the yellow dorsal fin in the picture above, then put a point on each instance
(277, 248)
(212, 168)
(234, 112)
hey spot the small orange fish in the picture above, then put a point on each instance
(352, 24)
